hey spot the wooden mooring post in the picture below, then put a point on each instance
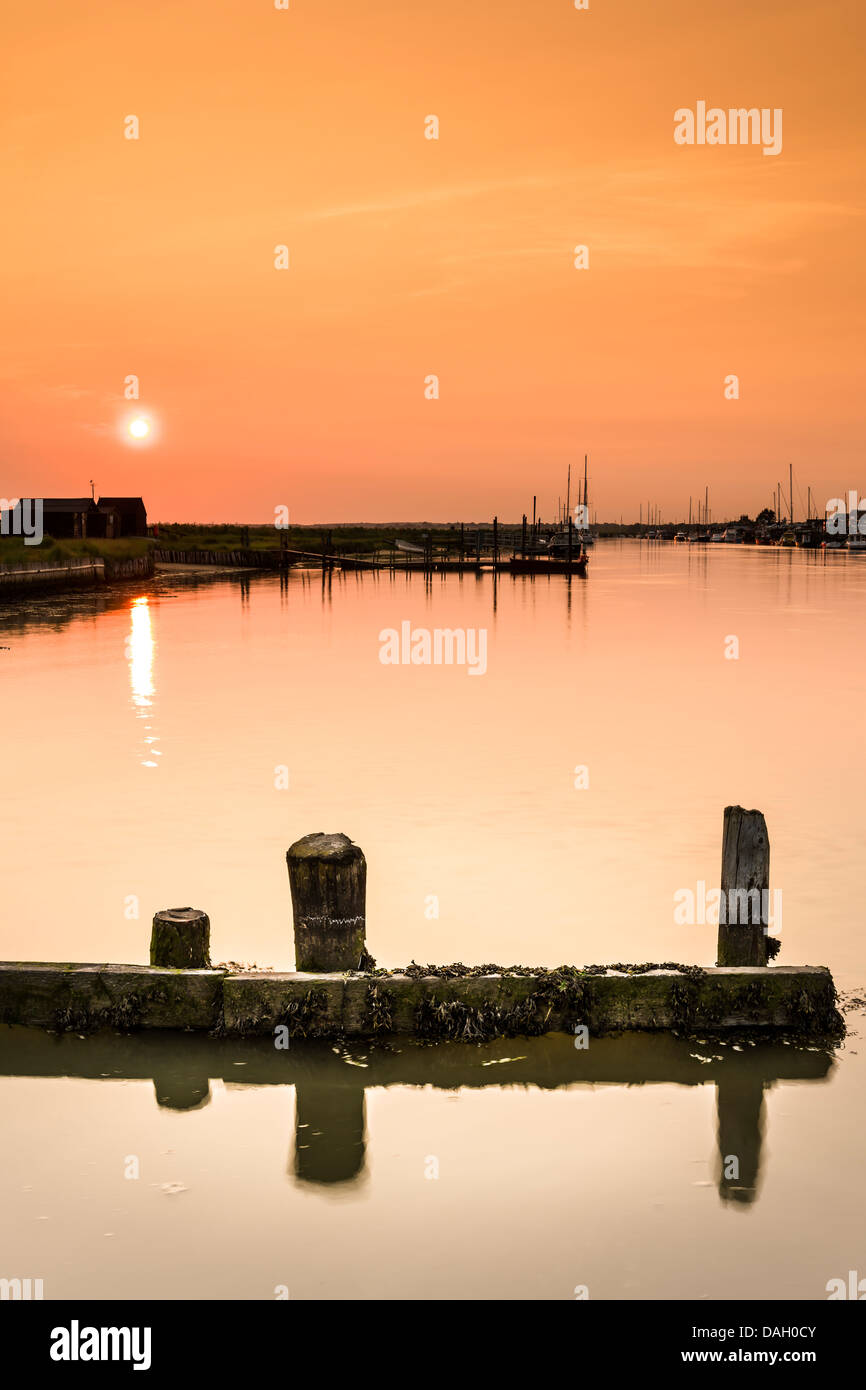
(180, 939)
(744, 907)
(328, 880)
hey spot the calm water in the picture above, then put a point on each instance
(148, 738)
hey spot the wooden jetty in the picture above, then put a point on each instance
(498, 549)
(527, 549)
(339, 993)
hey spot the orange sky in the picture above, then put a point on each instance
(305, 388)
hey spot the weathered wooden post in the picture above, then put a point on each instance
(744, 908)
(180, 939)
(328, 879)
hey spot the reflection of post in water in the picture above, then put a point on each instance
(741, 1113)
(330, 1138)
(330, 1132)
(177, 1090)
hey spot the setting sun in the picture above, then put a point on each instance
(139, 428)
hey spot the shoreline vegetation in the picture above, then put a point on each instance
(356, 539)
(13, 550)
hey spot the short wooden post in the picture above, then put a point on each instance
(744, 907)
(328, 879)
(180, 939)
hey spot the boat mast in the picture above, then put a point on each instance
(791, 490)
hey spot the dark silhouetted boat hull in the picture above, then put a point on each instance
(538, 564)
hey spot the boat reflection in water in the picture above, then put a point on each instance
(330, 1142)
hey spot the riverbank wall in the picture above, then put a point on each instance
(84, 573)
(67, 997)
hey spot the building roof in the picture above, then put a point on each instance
(119, 501)
(67, 504)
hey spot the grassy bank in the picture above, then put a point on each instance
(13, 551)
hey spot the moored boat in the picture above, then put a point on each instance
(547, 564)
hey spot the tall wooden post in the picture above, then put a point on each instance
(495, 540)
(523, 538)
(744, 908)
(328, 879)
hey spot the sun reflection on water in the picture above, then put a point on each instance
(139, 651)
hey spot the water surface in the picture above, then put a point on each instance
(150, 733)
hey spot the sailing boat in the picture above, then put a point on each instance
(585, 534)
